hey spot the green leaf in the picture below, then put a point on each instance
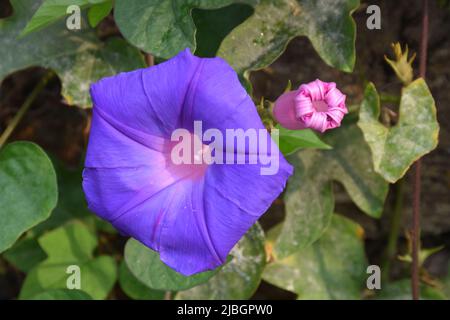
(88, 66)
(401, 290)
(291, 141)
(98, 12)
(62, 294)
(259, 40)
(334, 267)
(25, 254)
(28, 190)
(214, 25)
(53, 10)
(395, 149)
(71, 202)
(162, 28)
(146, 266)
(309, 196)
(239, 278)
(71, 245)
(49, 12)
(78, 57)
(134, 288)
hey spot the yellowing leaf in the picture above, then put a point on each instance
(395, 149)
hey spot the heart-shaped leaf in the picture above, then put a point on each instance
(71, 202)
(28, 190)
(309, 195)
(71, 246)
(77, 56)
(395, 149)
(162, 28)
(240, 277)
(334, 267)
(259, 40)
(146, 266)
(134, 288)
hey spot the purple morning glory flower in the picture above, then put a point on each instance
(192, 214)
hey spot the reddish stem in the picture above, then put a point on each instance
(415, 236)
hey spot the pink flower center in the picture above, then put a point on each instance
(189, 157)
(320, 106)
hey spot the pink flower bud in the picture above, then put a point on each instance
(317, 105)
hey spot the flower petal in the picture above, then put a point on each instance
(208, 217)
(186, 242)
(236, 196)
(148, 100)
(220, 101)
(284, 111)
(113, 192)
(111, 145)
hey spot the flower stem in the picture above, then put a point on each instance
(168, 295)
(415, 235)
(396, 220)
(149, 59)
(24, 107)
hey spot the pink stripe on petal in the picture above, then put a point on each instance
(334, 97)
(303, 106)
